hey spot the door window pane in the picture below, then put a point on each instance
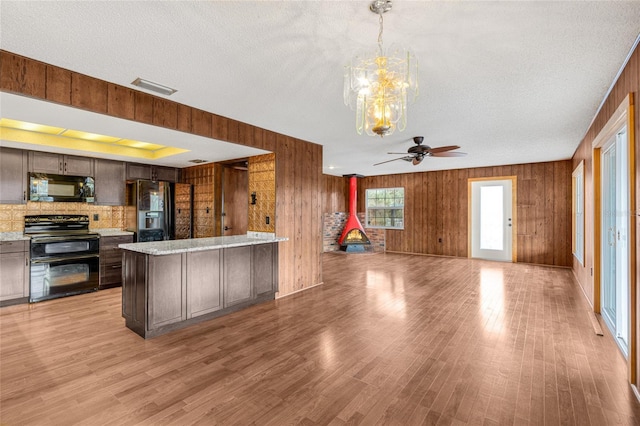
(491, 218)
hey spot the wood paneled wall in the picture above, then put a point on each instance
(629, 82)
(298, 163)
(436, 205)
(336, 194)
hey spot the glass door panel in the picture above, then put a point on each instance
(615, 248)
(608, 242)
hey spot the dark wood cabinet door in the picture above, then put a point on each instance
(111, 260)
(57, 164)
(14, 264)
(77, 166)
(165, 174)
(237, 275)
(13, 176)
(166, 297)
(45, 162)
(204, 284)
(263, 268)
(110, 184)
(138, 171)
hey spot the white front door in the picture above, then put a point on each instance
(492, 219)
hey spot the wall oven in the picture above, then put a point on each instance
(64, 256)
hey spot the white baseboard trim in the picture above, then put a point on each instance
(636, 392)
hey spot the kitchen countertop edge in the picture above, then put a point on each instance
(111, 232)
(13, 236)
(160, 248)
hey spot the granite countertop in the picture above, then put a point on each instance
(13, 236)
(197, 244)
(111, 232)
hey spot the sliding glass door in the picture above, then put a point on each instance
(615, 240)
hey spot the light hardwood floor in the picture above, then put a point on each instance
(388, 339)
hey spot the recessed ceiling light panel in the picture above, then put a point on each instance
(154, 87)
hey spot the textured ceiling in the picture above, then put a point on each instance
(510, 82)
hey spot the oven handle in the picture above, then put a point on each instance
(62, 259)
(66, 238)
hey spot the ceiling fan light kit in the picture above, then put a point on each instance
(378, 85)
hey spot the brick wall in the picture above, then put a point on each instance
(332, 228)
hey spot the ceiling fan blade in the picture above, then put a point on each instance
(448, 154)
(417, 160)
(397, 153)
(388, 161)
(444, 148)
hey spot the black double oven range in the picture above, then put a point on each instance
(64, 255)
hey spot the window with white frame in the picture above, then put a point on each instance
(577, 207)
(385, 208)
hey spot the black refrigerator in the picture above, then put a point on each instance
(159, 211)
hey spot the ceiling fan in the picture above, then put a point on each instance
(418, 152)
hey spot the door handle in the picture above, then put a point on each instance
(611, 236)
(226, 228)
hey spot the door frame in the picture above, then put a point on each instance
(624, 114)
(514, 213)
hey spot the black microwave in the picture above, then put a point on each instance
(49, 188)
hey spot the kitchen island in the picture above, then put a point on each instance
(168, 285)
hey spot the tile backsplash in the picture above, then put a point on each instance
(12, 215)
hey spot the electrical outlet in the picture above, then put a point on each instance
(268, 219)
(96, 216)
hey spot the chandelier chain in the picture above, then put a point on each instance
(380, 33)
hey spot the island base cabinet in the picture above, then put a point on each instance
(204, 278)
(264, 258)
(168, 292)
(167, 295)
(237, 277)
(134, 294)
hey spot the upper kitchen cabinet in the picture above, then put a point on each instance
(13, 176)
(138, 171)
(46, 162)
(149, 172)
(165, 174)
(109, 183)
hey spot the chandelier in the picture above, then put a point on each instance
(378, 84)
